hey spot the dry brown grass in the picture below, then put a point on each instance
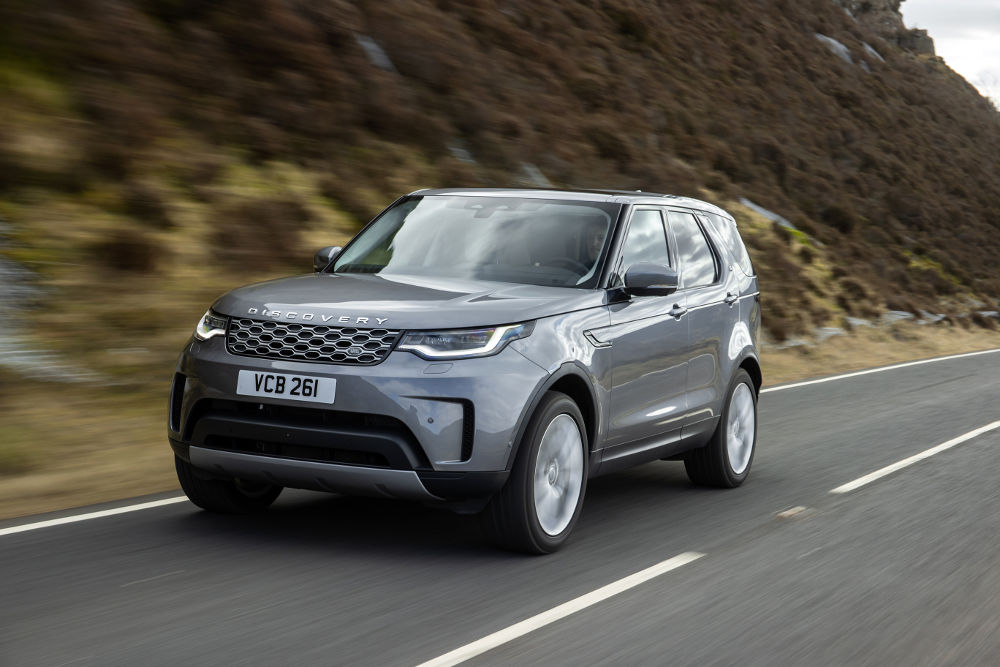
(64, 445)
(870, 348)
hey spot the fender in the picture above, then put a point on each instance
(568, 368)
(740, 348)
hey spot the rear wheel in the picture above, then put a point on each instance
(224, 496)
(725, 460)
(538, 507)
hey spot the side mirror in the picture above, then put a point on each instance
(648, 279)
(324, 256)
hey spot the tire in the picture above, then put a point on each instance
(725, 461)
(224, 496)
(535, 510)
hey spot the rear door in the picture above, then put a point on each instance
(712, 314)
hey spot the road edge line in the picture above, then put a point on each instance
(869, 371)
(537, 621)
(90, 515)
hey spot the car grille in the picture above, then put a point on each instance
(306, 342)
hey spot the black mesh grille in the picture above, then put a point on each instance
(307, 342)
(344, 437)
(468, 429)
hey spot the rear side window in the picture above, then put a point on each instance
(698, 266)
(730, 236)
(646, 240)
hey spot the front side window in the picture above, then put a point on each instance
(506, 239)
(698, 266)
(646, 240)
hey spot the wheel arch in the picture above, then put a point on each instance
(570, 379)
(752, 367)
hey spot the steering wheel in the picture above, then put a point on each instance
(569, 263)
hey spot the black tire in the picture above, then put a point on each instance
(510, 519)
(224, 496)
(711, 465)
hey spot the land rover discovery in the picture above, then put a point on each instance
(486, 350)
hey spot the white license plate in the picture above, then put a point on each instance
(284, 385)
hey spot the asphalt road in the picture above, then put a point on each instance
(905, 570)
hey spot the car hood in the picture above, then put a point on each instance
(401, 302)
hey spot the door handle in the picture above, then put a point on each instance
(677, 311)
(731, 298)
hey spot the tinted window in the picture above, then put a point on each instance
(697, 262)
(646, 240)
(730, 236)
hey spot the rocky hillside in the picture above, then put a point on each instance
(156, 152)
(883, 17)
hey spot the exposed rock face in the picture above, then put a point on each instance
(883, 16)
(917, 41)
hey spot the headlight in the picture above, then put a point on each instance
(211, 325)
(463, 343)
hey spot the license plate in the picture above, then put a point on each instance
(287, 386)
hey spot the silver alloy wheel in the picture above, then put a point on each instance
(741, 429)
(558, 474)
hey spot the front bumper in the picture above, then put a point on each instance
(404, 428)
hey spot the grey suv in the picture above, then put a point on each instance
(486, 350)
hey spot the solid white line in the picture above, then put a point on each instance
(844, 376)
(888, 470)
(501, 637)
(90, 515)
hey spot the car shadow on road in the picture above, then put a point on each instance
(616, 506)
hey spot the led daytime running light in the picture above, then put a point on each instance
(436, 344)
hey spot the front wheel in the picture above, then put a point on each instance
(725, 460)
(537, 508)
(224, 496)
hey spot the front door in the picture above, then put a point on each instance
(649, 340)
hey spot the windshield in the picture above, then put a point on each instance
(506, 239)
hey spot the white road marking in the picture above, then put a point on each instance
(792, 512)
(508, 634)
(90, 515)
(844, 376)
(927, 453)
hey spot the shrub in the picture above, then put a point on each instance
(983, 321)
(128, 250)
(144, 204)
(840, 218)
(259, 233)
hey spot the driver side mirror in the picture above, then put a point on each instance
(648, 279)
(324, 256)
